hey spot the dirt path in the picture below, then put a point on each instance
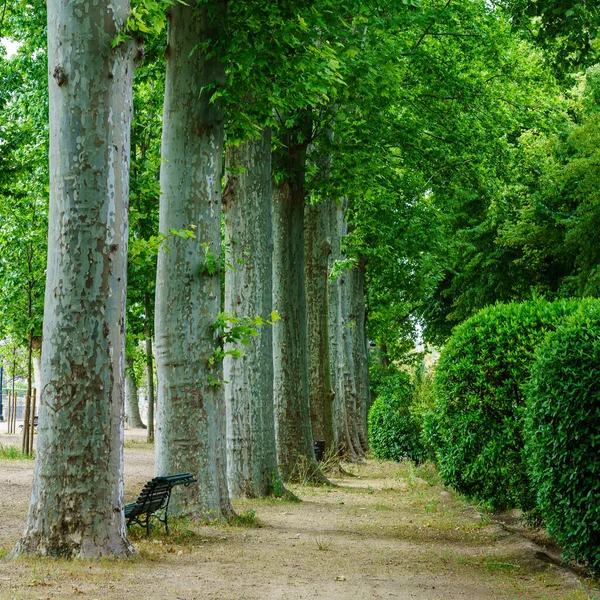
(385, 533)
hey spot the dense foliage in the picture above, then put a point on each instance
(536, 230)
(563, 430)
(394, 433)
(477, 425)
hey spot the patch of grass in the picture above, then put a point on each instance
(179, 531)
(485, 520)
(322, 544)
(13, 453)
(428, 472)
(381, 507)
(330, 461)
(416, 475)
(138, 445)
(245, 519)
(501, 566)
(267, 501)
(305, 473)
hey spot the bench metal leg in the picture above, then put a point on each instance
(167, 511)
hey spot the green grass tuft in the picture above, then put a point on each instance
(245, 519)
(13, 453)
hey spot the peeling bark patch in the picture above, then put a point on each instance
(59, 76)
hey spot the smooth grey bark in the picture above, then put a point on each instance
(347, 374)
(349, 380)
(295, 452)
(190, 432)
(317, 246)
(251, 452)
(357, 317)
(76, 507)
(342, 365)
(132, 407)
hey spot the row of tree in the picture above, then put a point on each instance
(362, 140)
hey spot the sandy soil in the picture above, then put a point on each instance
(390, 531)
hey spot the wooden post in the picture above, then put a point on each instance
(14, 425)
(25, 443)
(8, 411)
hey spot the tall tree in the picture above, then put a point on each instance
(251, 451)
(132, 407)
(292, 411)
(190, 432)
(71, 513)
(317, 251)
(144, 238)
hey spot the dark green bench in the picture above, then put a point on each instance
(154, 497)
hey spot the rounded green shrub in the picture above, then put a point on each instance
(394, 434)
(476, 427)
(563, 431)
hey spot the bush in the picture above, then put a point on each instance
(563, 430)
(476, 427)
(393, 432)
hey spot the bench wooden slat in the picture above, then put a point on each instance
(154, 496)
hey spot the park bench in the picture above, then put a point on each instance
(35, 423)
(153, 498)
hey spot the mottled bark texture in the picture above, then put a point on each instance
(346, 435)
(357, 322)
(132, 406)
(292, 413)
(190, 431)
(251, 453)
(317, 246)
(76, 505)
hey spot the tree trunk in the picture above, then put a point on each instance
(26, 445)
(317, 250)
(149, 380)
(190, 434)
(347, 369)
(251, 453)
(76, 505)
(342, 365)
(356, 290)
(14, 395)
(384, 357)
(292, 412)
(132, 407)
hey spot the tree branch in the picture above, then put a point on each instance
(2, 17)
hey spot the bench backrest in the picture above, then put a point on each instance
(157, 490)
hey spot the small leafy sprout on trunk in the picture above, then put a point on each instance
(235, 330)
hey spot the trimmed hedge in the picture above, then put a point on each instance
(393, 432)
(563, 426)
(477, 425)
